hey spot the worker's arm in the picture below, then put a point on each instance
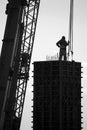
(68, 41)
(58, 43)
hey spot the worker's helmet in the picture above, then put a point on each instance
(63, 37)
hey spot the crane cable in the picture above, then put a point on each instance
(70, 38)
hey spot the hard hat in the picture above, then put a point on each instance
(63, 37)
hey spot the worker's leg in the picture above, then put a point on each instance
(65, 56)
(60, 56)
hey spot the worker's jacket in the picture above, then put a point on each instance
(62, 44)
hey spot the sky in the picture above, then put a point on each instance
(52, 24)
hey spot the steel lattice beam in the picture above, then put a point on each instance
(29, 19)
(16, 57)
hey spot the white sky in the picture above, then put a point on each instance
(53, 22)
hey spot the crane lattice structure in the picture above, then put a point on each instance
(30, 14)
(17, 70)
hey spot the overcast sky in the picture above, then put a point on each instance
(53, 22)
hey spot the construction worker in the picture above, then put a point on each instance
(62, 44)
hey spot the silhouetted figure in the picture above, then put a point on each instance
(62, 44)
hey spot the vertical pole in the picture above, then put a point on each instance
(70, 48)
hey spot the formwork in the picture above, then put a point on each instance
(57, 95)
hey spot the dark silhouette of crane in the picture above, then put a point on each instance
(15, 60)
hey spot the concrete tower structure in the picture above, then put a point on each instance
(57, 95)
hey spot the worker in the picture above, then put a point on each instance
(62, 44)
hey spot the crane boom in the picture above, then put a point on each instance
(15, 60)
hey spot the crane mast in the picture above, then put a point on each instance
(15, 60)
